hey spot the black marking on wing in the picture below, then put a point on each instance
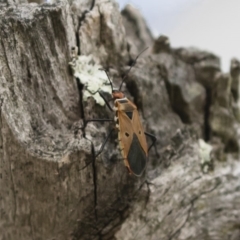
(136, 157)
(129, 114)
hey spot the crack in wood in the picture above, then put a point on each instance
(94, 180)
(80, 20)
(80, 88)
(183, 224)
(208, 103)
(192, 202)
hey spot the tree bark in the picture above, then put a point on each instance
(52, 185)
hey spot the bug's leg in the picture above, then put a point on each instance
(105, 100)
(104, 143)
(94, 179)
(102, 147)
(97, 120)
(153, 138)
(100, 150)
(148, 193)
(100, 120)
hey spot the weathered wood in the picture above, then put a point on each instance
(51, 184)
(40, 177)
(186, 204)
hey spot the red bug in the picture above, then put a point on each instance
(131, 135)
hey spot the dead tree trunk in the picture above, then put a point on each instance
(51, 184)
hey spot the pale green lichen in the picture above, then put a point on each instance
(89, 74)
(205, 150)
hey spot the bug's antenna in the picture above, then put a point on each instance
(105, 70)
(127, 72)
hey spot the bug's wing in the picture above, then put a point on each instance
(125, 134)
(138, 152)
(139, 131)
(133, 142)
(136, 158)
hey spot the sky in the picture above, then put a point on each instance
(211, 25)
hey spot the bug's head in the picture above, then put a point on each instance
(116, 94)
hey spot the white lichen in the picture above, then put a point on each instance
(205, 150)
(89, 73)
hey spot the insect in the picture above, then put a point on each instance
(131, 135)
